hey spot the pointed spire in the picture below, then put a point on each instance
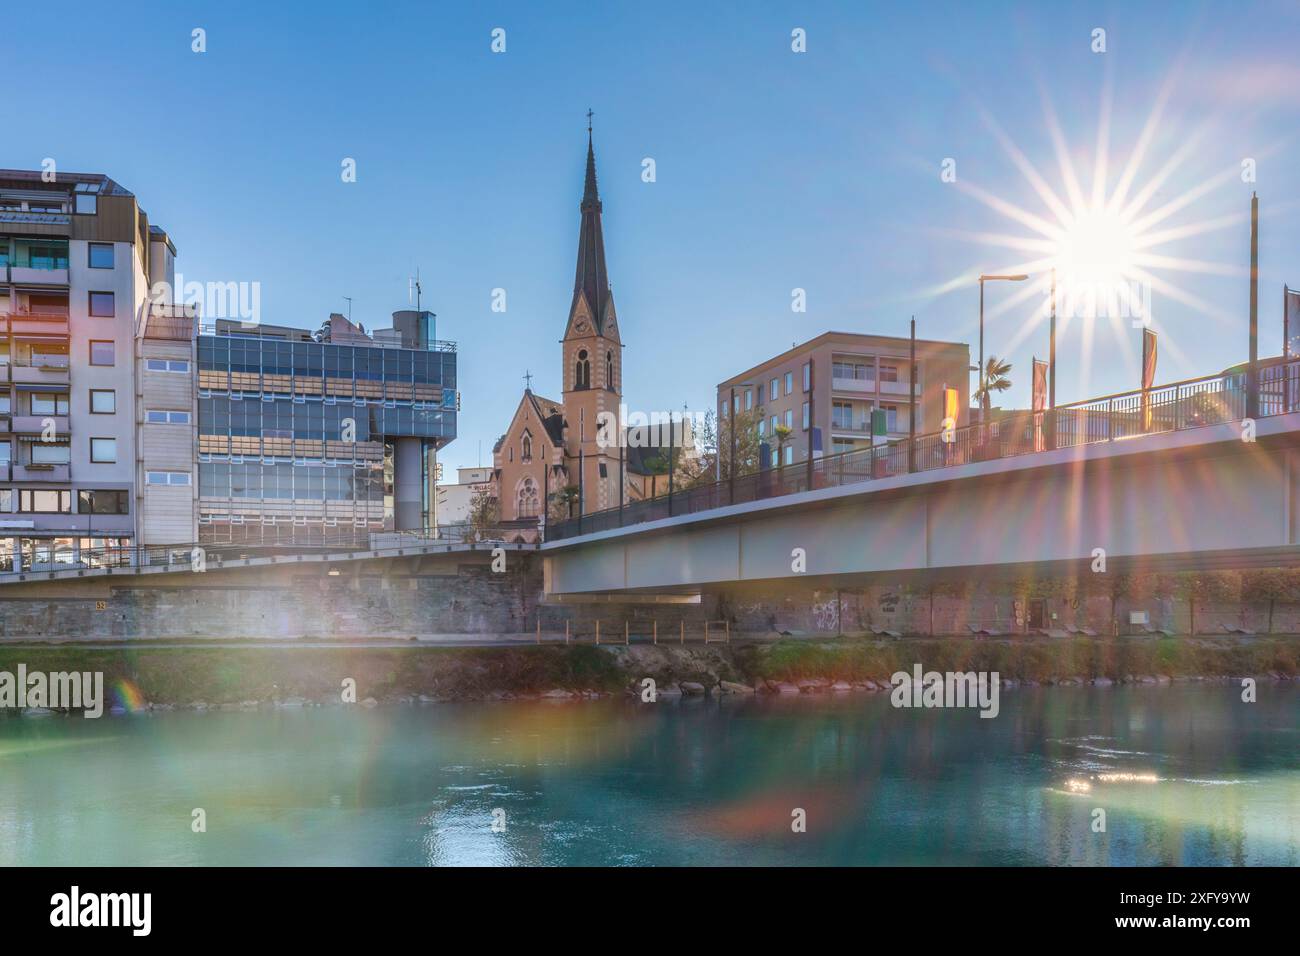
(590, 195)
(591, 279)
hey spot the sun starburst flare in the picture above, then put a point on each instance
(1108, 249)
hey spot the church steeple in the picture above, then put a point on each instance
(591, 280)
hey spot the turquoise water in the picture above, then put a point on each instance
(1211, 780)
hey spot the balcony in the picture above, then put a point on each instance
(841, 426)
(39, 323)
(31, 216)
(174, 322)
(26, 275)
(35, 472)
(853, 384)
(38, 374)
(897, 388)
(35, 424)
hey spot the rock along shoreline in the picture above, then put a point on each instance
(283, 676)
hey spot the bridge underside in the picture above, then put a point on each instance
(1161, 503)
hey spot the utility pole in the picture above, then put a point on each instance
(1051, 371)
(812, 420)
(671, 455)
(731, 433)
(1252, 377)
(912, 402)
(1051, 349)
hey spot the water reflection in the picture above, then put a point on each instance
(1186, 775)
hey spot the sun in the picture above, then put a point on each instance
(1098, 248)
(1100, 252)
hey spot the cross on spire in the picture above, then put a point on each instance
(590, 114)
(528, 380)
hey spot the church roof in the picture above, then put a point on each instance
(591, 279)
(644, 455)
(553, 422)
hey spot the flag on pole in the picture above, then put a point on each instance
(1290, 344)
(1038, 401)
(1148, 374)
(1290, 322)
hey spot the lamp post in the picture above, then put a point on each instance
(983, 279)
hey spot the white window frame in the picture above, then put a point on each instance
(168, 478)
(167, 365)
(169, 417)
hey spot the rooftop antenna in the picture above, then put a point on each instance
(414, 289)
(348, 298)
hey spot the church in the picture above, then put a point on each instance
(552, 446)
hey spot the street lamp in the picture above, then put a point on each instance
(983, 279)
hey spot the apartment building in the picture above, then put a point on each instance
(77, 259)
(123, 422)
(834, 382)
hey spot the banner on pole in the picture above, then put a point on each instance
(1148, 375)
(1290, 322)
(1038, 402)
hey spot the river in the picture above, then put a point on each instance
(1186, 774)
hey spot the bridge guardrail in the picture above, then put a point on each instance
(207, 554)
(1194, 403)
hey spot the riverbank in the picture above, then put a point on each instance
(144, 677)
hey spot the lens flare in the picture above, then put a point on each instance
(1108, 240)
(127, 696)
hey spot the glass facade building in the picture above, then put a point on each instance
(305, 442)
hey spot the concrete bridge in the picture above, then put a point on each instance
(1194, 495)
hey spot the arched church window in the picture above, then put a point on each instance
(609, 371)
(527, 502)
(582, 376)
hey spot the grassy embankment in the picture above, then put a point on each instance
(217, 675)
(1039, 660)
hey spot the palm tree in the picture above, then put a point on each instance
(782, 433)
(995, 380)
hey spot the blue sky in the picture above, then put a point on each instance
(775, 170)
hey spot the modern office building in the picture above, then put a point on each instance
(834, 382)
(124, 423)
(305, 438)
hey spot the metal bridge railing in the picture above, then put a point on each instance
(1211, 400)
(210, 555)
